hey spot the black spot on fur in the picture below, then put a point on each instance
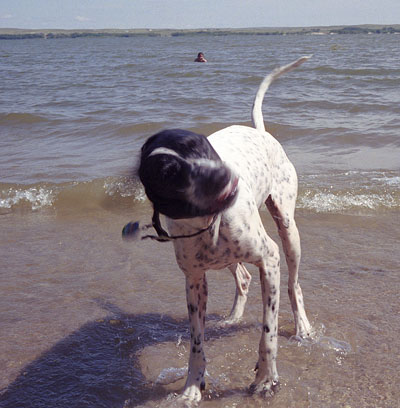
(192, 308)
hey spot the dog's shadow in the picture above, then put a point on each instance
(98, 365)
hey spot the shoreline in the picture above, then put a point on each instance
(16, 33)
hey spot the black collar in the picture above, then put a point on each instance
(163, 236)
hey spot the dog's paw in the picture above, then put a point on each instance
(303, 328)
(228, 322)
(183, 402)
(191, 396)
(306, 332)
(265, 388)
(306, 335)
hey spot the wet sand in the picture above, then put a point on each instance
(86, 315)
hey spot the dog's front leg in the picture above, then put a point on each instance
(196, 295)
(267, 376)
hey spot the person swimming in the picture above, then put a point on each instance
(200, 58)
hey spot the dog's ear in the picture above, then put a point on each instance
(171, 169)
(165, 175)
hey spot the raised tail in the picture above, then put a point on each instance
(256, 114)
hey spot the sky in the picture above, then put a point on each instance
(96, 14)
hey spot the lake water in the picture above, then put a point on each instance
(87, 320)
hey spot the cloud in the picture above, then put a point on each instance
(82, 19)
(6, 16)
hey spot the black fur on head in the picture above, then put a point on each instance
(183, 175)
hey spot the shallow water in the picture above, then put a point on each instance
(87, 319)
(99, 318)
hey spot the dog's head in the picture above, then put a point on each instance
(183, 175)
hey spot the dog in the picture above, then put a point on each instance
(210, 190)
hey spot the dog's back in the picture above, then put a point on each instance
(255, 156)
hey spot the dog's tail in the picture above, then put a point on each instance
(256, 114)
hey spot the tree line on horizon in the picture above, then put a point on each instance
(53, 34)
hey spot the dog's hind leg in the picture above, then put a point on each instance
(242, 278)
(196, 295)
(289, 235)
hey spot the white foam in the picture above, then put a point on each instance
(389, 180)
(36, 197)
(319, 339)
(336, 202)
(125, 187)
(170, 375)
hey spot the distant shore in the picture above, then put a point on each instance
(14, 33)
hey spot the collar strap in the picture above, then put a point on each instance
(163, 236)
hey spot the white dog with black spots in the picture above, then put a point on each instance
(210, 190)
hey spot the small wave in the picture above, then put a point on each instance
(30, 197)
(127, 66)
(352, 107)
(140, 129)
(111, 192)
(376, 72)
(389, 180)
(124, 187)
(180, 75)
(349, 192)
(352, 191)
(344, 202)
(20, 118)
